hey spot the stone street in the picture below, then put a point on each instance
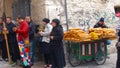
(110, 63)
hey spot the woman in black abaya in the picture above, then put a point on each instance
(56, 45)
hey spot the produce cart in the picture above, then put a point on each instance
(86, 51)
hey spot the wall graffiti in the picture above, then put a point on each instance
(88, 19)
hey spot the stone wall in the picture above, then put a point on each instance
(83, 12)
(38, 11)
(8, 7)
(1, 6)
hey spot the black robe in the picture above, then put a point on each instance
(12, 41)
(1, 35)
(56, 46)
(2, 43)
(11, 35)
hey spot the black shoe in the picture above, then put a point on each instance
(5, 59)
(32, 64)
(26, 66)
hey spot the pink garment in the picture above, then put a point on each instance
(117, 14)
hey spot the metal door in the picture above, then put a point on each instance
(21, 7)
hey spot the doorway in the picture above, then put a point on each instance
(21, 7)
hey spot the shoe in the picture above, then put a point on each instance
(19, 63)
(45, 66)
(26, 66)
(1, 59)
(29, 67)
(32, 64)
(5, 59)
(49, 66)
(13, 64)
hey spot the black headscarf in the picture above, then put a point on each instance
(57, 21)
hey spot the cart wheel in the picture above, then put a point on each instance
(100, 58)
(73, 60)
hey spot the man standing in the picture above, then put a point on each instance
(31, 37)
(0, 45)
(23, 42)
(2, 41)
(3, 51)
(12, 41)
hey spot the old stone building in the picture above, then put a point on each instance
(80, 12)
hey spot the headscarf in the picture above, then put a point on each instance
(57, 21)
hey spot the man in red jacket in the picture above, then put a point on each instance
(23, 29)
(23, 42)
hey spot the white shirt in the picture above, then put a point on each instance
(46, 33)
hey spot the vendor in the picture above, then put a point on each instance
(100, 24)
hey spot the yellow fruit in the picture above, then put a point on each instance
(93, 35)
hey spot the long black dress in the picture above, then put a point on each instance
(56, 46)
(12, 41)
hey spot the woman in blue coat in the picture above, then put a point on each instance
(56, 45)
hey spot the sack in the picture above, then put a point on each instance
(108, 42)
(118, 44)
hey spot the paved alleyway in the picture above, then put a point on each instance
(110, 63)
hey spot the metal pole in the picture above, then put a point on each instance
(66, 14)
(67, 24)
